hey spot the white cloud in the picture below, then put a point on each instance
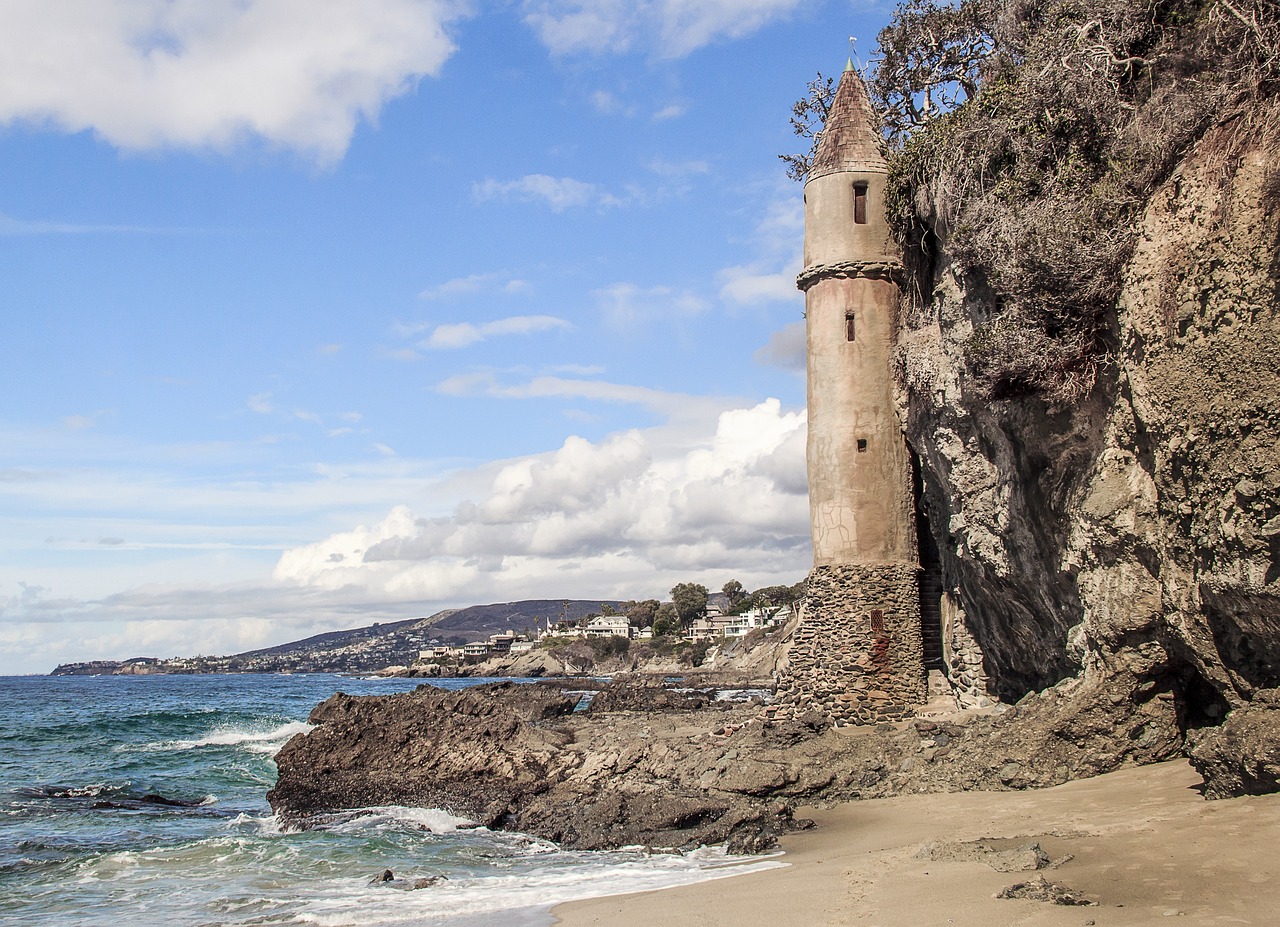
(476, 283)
(672, 111)
(558, 193)
(668, 28)
(771, 277)
(147, 74)
(713, 494)
(634, 513)
(462, 334)
(486, 383)
(260, 403)
(746, 285)
(629, 306)
(679, 170)
(605, 102)
(12, 226)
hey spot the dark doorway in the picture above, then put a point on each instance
(930, 574)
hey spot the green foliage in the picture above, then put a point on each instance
(930, 60)
(736, 594)
(666, 621)
(774, 596)
(612, 646)
(690, 601)
(641, 614)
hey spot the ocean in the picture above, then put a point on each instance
(140, 800)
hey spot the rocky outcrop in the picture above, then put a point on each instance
(1242, 756)
(672, 768)
(1129, 543)
(517, 757)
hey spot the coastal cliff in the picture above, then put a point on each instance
(1086, 371)
(1127, 546)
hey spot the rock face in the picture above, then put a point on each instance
(1242, 757)
(1131, 543)
(675, 770)
(517, 757)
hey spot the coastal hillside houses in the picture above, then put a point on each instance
(717, 625)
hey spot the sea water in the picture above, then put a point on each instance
(140, 800)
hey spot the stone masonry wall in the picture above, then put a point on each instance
(857, 654)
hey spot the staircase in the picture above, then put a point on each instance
(931, 616)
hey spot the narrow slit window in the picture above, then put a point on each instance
(862, 445)
(860, 204)
(850, 330)
(877, 620)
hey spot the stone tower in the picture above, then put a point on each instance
(858, 649)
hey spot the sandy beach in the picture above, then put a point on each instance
(1140, 843)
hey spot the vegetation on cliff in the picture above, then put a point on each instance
(1027, 137)
(1076, 110)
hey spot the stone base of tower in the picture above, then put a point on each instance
(857, 654)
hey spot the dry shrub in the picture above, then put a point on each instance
(1036, 184)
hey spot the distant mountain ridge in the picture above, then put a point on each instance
(359, 650)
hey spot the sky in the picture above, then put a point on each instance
(316, 313)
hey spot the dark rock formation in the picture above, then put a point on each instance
(515, 757)
(1242, 756)
(473, 752)
(519, 758)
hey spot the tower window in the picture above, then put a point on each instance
(862, 445)
(860, 203)
(849, 329)
(877, 620)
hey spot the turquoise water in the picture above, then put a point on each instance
(141, 800)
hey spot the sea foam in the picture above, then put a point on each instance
(252, 740)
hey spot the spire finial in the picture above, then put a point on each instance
(853, 53)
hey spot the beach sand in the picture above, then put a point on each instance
(1140, 842)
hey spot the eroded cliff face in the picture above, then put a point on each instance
(1130, 543)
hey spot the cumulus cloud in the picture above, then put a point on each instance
(147, 74)
(462, 334)
(669, 28)
(557, 193)
(634, 513)
(706, 497)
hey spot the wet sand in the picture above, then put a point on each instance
(1139, 842)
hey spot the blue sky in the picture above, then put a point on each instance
(317, 313)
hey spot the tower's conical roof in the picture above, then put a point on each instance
(851, 139)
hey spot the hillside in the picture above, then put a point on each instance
(359, 650)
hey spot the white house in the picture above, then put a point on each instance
(609, 626)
